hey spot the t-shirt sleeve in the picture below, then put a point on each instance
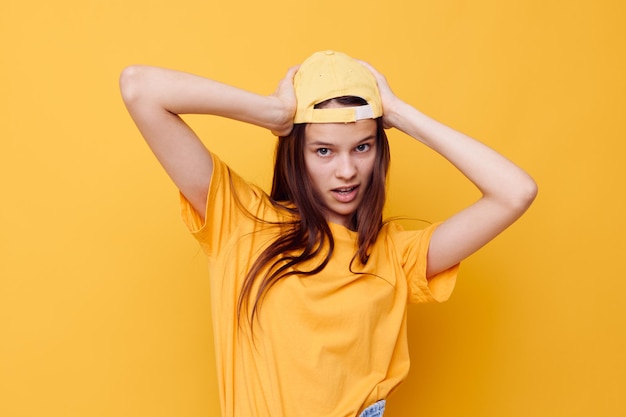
(415, 253)
(230, 201)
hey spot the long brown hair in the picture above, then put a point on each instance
(309, 235)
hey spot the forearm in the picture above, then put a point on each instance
(183, 93)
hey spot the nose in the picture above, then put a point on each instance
(346, 167)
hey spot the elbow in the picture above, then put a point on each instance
(516, 197)
(530, 190)
(525, 194)
(130, 83)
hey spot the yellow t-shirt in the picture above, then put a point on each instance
(325, 345)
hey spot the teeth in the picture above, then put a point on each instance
(345, 190)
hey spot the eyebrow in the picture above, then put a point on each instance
(328, 144)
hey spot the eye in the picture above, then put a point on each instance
(323, 151)
(364, 147)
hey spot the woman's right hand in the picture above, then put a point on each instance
(286, 96)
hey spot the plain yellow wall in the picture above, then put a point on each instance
(104, 297)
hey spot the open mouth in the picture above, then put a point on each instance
(345, 194)
(344, 190)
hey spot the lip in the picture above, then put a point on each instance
(345, 194)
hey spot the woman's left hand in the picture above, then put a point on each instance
(387, 96)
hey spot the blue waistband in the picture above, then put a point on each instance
(375, 410)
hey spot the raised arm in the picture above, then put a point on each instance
(155, 97)
(507, 191)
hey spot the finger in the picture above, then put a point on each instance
(286, 83)
(291, 73)
(369, 67)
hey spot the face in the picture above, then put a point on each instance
(339, 159)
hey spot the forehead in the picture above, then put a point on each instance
(340, 133)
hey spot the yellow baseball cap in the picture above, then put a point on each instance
(330, 74)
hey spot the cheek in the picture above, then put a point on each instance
(367, 167)
(314, 171)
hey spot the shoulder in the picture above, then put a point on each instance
(410, 249)
(396, 233)
(233, 204)
(227, 183)
(406, 246)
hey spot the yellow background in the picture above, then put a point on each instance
(103, 294)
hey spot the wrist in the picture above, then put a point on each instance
(396, 113)
(279, 116)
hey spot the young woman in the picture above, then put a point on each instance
(308, 285)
